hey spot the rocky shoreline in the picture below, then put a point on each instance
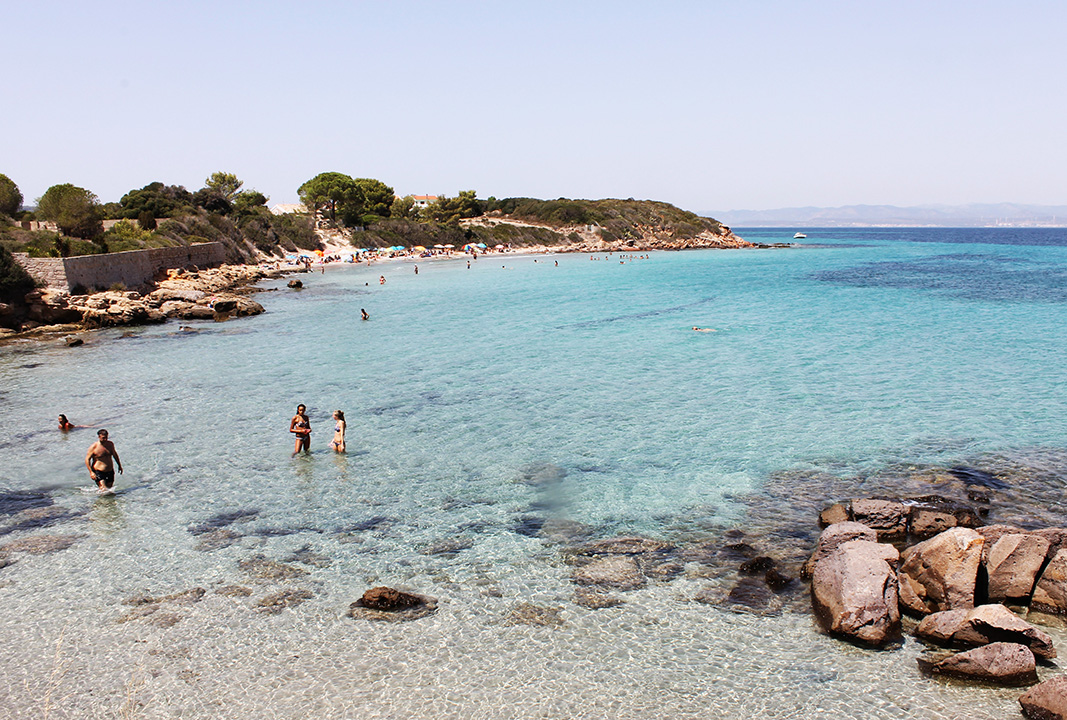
(215, 294)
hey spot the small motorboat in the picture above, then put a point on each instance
(799, 236)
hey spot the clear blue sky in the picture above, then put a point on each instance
(709, 105)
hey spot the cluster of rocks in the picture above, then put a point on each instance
(964, 580)
(213, 294)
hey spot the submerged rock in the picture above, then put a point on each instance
(998, 663)
(538, 615)
(307, 556)
(389, 604)
(41, 544)
(261, 567)
(276, 602)
(595, 599)
(234, 591)
(619, 572)
(217, 539)
(448, 546)
(627, 545)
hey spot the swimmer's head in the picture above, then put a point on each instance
(300, 409)
(102, 434)
(63, 419)
(338, 415)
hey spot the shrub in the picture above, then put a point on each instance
(15, 282)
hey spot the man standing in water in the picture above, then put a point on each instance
(98, 461)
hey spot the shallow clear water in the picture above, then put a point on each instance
(484, 405)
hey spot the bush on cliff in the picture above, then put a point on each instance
(10, 196)
(15, 282)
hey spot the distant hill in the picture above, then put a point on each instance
(975, 215)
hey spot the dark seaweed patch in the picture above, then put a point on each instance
(370, 524)
(528, 525)
(19, 500)
(222, 520)
(636, 316)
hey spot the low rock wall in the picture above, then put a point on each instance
(134, 268)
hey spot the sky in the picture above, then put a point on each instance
(724, 105)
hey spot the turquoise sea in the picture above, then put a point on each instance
(497, 417)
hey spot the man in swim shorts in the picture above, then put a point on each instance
(98, 461)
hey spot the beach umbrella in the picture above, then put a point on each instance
(498, 247)
(483, 246)
(439, 247)
(397, 247)
(449, 246)
(418, 248)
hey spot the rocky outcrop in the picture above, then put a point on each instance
(854, 592)
(889, 519)
(940, 573)
(1047, 700)
(997, 663)
(1050, 594)
(1012, 565)
(983, 625)
(834, 536)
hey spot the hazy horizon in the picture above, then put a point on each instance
(703, 105)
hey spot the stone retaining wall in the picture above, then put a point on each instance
(134, 268)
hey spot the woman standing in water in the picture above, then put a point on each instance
(339, 431)
(301, 427)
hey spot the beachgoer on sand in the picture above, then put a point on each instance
(98, 460)
(301, 427)
(339, 431)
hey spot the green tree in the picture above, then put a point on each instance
(377, 197)
(249, 201)
(15, 282)
(75, 210)
(159, 199)
(10, 196)
(402, 208)
(464, 205)
(333, 193)
(225, 184)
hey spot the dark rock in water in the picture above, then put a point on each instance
(978, 496)
(234, 591)
(5, 560)
(222, 520)
(595, 599)
(450, 546)
(41, 544)
(659, 569)
(925, 523)
(225, 306)
(370, 524)
(295, 284)
(1047, 700)
(75, 342)
(217, 539)
(276, 602)
(738, 550)
(528, 525)
(617, 571)
(530, 614)
(139, 612)
(627, 545)
(777, 580)
(752, 594)
(542, 474)
(998, 663)
(164, 620)
(564, 531)
(185, 597)
(17, 501)
(734, 534)
(974, 476)
(38, 517)
(306, 556)
(390, 605)
(261, 567)
(757, 565)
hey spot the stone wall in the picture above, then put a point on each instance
(133, 269)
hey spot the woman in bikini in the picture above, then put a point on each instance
(301, 427)
(339, 431)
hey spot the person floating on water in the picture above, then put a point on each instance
(98, 461)
(700, 329)
(381, 279)
(339, 431)
(301, 427)
(364, 314)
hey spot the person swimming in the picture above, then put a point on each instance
(301, 427)
(339, 431)
(364, 314)
(65, 424)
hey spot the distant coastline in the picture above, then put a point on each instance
(997, 215)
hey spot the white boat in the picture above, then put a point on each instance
(799, 236)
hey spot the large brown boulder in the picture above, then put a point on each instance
(889, 519)
(833, 537)
(998, 663)
(1012, 565)
(391, 605)
(983, 625)
(926, 522)
(940, 573)
(1050, 595)
(854, 592)
(1047, 700)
